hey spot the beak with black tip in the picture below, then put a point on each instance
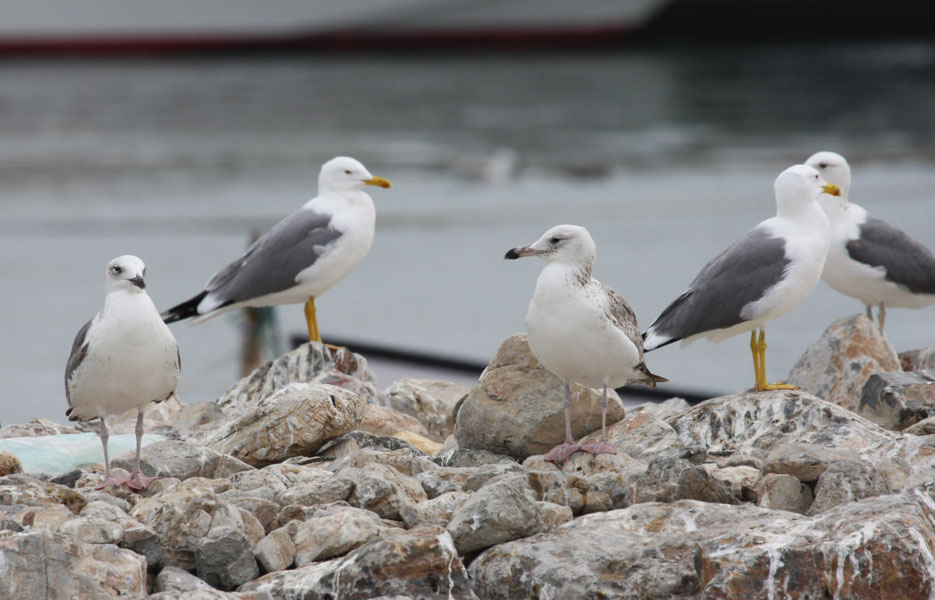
(138, 282)
(515, 253)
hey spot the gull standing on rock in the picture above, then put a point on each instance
(766, 273)
(869, 259)
(123, 358)
(302, 256)
(579, 329)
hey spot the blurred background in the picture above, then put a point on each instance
(176, 130)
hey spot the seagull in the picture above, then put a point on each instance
(869, 259)
(302, 256)
(579, 329)
(123, 358)
(766, 273)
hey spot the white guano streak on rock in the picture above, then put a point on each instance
(4, 566)
(448, 544)
(337, 575)
(475, 522)
(690, 524)
(928, 558)
(845, 549)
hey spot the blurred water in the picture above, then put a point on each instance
(666, 156)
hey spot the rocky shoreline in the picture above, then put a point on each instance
(305, 481)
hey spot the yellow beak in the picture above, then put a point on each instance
(379, 182)
(832, 189)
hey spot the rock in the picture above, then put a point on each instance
(48, 517)
(553, 516)
(688, 549)
(270, 481)
(9, 464)
(471, 457)
(93, 530)
(51, 565)
(70, 478)
(783, 492)
(485, 473)
(184, 514)
(923, 427)
(781, 423)
(194, 418)
(738, 480)
(671, 479)
(276, 551)
(496, 513)
(642, 435)
(430, 401)
(173, 579)
(23, 489)
(418, 563)
(662, 410)
(313, 364)
(36, 427)
(422, 443)
(296, 420)
(382, 489)
(898, 400)
(224, 558)
(922, 359)
(437, 511)
(333, 534)
(380, 421)
(517, 407)
(181, 460)
(403, 460)
(444, 480)
(836, 366)
(155, 415)
(324, 490)
(844, 482)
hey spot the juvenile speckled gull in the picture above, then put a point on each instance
(769, 271)
(579, 329)
(123, 358)
(302, 256)
(870, 259)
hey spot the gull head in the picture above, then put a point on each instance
(345, 174)
(798, 186)
(833, 167)
(564, 244)
(125, 273)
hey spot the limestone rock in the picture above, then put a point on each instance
(380, 420)
(56, 566)
(898, 400)
(312, 363)
(224, 558)
(173, 579)
(382, 489)
(836, 366)
(430, 401)
(783, 492)
(296, 420)
(844, 482)
(327, 488)
(922, 359)
(422, 443)
(923, 427)
(332, 534)
(738, 480)
(641, 435)
(664, 409)
(181, 460)
(155, 415)
(517, 407)
(437, 511)
(276, 551)
(193, 419)
(271, 480)
(9, 464)
(552, 516)
(419, 563)
(496, 513)
(671, 479)
(93, 530)
(470, 457)
(36, 427)
(263, 510)
(403, 460)
(20, 488)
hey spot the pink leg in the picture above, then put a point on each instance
(136, 481)
(601, 447)
(108, 479)
(559, 454)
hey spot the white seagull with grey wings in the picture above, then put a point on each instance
(766, 273)
(302, 256)
(869, 259)
(123, 358)
(579, 329)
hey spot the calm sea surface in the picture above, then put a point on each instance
(666, 156)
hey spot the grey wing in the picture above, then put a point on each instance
(79, 350)
(907, 262)
(271, 264)
(623, 317)
(729, 282)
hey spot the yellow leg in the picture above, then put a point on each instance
(755, 350)
(765, 387)
(311, 321)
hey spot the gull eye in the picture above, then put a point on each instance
(823, 165)
(117, 269)
(555, 240)
(347, 171)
